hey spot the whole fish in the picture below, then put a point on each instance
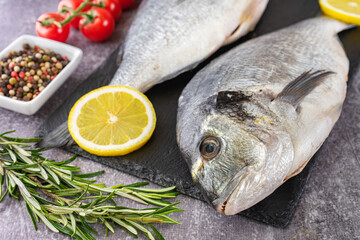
(169, 37)
(255, 116)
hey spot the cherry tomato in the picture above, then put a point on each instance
(126, 3)
(113, 6)
(73, 5)
(52, 31)
(100, 28)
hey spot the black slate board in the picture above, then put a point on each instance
(160, 161)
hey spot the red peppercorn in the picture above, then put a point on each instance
(17, 78)
(52, 77)
(37, 93)
(30, 78)
(0, 89)
(65, 58)
(11, 65)
(14, 74)
(45, 73)
(22, 74)
(9, 86)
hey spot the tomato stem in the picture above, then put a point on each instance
(77, 12)
(73, 13)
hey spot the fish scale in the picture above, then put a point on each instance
(289, 87)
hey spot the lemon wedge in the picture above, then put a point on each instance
(344, 10)
(112, 121)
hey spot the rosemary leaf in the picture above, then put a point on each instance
(45, 220)
(31, 216)
(12, 155)
(137, 184)
(108, 225)
(85, 234)
(73, 224)
(86, 225)
(53, 175)
(142, 228)
(157, 233)
(64, 230)
(124, 225)
(89, 175)
(151, 190)
(68, 161)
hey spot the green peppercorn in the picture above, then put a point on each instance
(12, 81)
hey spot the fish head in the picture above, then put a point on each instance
(237, 159)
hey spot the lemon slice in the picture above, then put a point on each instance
(112, 121)
(345, 10)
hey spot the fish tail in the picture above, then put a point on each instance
(338, 25)
(58, 137)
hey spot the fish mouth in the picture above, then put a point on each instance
(221, 202)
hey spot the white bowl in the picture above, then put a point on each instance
(74, 54)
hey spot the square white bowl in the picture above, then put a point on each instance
(74, 54)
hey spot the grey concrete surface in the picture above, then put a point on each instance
(329, 208)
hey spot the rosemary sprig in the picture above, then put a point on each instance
(66, 201)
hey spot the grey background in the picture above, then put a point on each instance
(329, 207)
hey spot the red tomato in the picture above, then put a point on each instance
(126, 3)
(73, 5)
(52, 31)
(102, 26)
(113, 6)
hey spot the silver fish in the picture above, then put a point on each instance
(169, 37)
(255, 116)
(173, 36)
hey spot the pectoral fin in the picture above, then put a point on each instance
(248, 20)
(296, 90)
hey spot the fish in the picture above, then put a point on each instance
(170, 37)
(253, 117)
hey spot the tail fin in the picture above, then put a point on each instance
(58, 137)
(338, 25)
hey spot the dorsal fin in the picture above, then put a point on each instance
(296, 90)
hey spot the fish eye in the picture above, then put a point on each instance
(210, 147)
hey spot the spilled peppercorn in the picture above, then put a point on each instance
(24, 74)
